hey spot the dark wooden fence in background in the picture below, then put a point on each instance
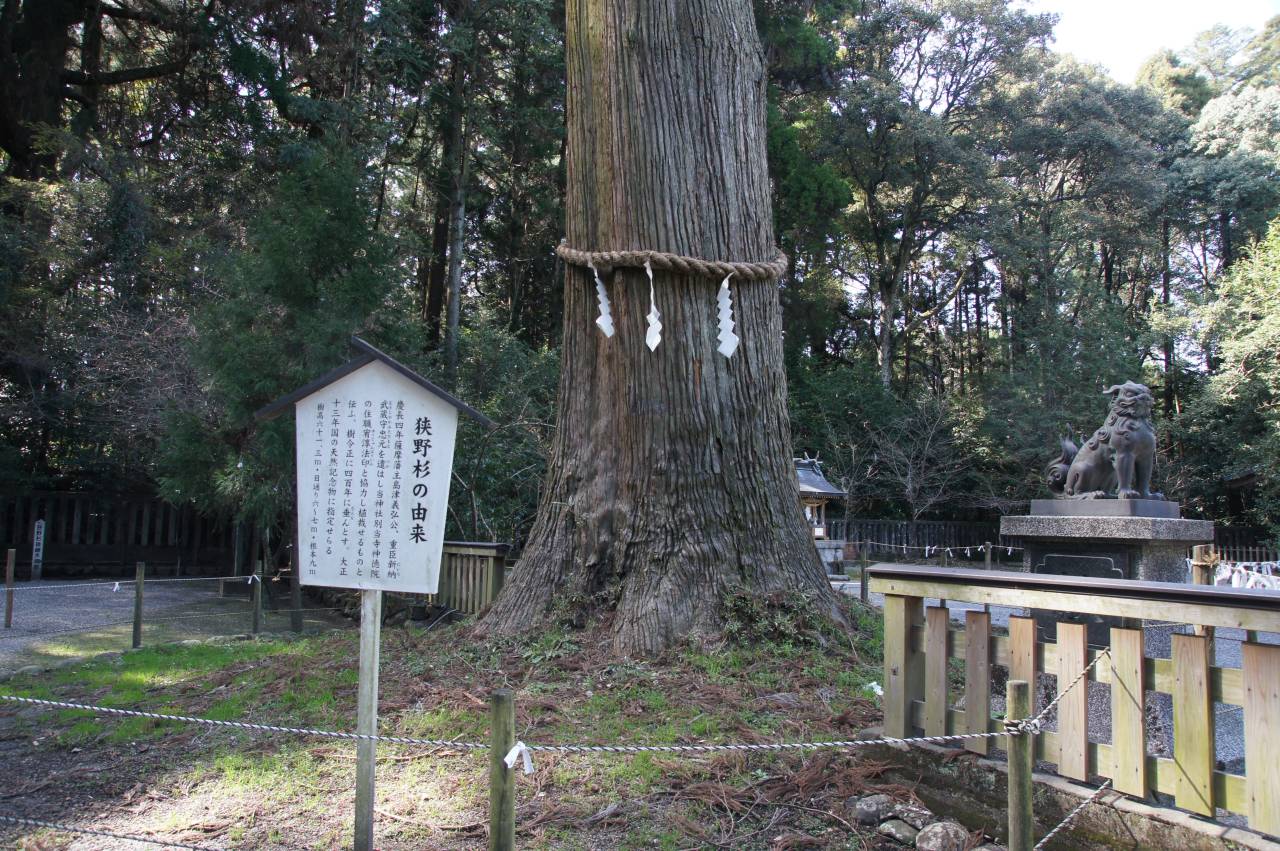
(1234, 543)
(95, 534)
(922, 533)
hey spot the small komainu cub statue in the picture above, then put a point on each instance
(1120, 456)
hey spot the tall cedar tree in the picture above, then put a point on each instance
(671, 481)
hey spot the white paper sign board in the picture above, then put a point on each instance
(375, 455)
(37, 549)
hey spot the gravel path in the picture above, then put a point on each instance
(1228, 719)
(58, 619)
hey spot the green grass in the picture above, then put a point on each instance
(434, 686)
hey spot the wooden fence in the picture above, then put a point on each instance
(471, 575)
(921, 533)
(920, 644)
(1234, 544)
(85, 532)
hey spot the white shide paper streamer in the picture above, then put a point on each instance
(653, 336)
(724, 306)
(605, 321)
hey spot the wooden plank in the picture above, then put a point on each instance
(977, 679)
(903, 668)
(1193, 729)
(1229, 789)
(935, 671)
(77, 503)
(1128, 718)
(1207, 611)
(1262, 736)
(1073, 706)
(1022, 651)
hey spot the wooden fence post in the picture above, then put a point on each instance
(1021, 819)
(256, 593)
(8, 588)
(986, 554)
(1203, 561)
(295, 582)
(139, 578)
(862, 580)
(502, 780)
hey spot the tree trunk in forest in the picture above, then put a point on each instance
(457, 230)
(1166, 280)
(886, 338)
(671, 479)
(433, 281)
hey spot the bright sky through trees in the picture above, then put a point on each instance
(1122, 34)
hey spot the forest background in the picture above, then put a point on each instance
(202, 201)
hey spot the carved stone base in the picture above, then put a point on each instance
(1105, 508)
(1117, 547)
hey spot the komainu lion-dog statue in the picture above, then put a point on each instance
(1120, 456)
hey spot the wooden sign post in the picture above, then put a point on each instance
(375, 445)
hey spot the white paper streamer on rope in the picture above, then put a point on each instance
(521, 752)
(724, 302)
(653, 336)
(602, 296)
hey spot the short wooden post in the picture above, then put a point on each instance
(256, 597)
(1021, 819)
(862, 579)
(9, 561)
(502, 780)
(295, 582)
(1203, 561)
(367, 715)
(139, 578)
(498, 573)
(986, 554)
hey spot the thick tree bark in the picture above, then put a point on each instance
(671, 478)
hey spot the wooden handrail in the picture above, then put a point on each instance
(921, 645)
(1170, 601)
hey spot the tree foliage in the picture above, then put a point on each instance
(200, 202)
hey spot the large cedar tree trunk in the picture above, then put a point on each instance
(671, 477)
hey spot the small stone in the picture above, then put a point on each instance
(943, 836)
(913, 814)
(190, 642)
(899, 830)
(872, 809)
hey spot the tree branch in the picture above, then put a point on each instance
(922, 318)
(124, 75)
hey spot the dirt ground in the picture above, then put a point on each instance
(232, 789)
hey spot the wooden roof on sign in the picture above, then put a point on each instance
(366, 354)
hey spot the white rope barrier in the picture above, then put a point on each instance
(88, 831)
(241, 725)
(115, 584)
(1071, 816)
(969, 551)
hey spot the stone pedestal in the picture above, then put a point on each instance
(1107, 538)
